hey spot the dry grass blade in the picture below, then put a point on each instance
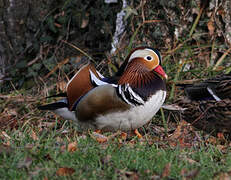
(221, 59)
(196, 21)
(80, 50)
(65, 61)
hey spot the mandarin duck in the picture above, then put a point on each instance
(207, 105)
(124, 102)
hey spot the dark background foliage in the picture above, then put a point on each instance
(34, 33)
(40, 49)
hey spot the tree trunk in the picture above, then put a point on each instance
(28, 27)
(19, 21)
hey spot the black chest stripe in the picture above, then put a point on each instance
(126, 93)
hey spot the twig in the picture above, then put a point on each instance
(164, 121)
(178, 47)
(181, 44)
(143, 2)
(33, 61)
(137, 30)
(221, 59)
(212, 51)
(152, 21)
(196, 21)
(133, 37)
(57, 66)
(80, 50)
(176, 79)
(39, 56)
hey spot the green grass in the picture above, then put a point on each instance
(23, 156)
(111, 160)
(40, 156)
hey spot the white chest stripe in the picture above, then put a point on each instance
(121, 92)
(97, 81)
(135, 96)
(129, 96)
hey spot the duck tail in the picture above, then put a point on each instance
(58, 95)
(54, 106)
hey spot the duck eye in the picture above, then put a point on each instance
(149, 58)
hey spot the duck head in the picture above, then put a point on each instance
(141, 65)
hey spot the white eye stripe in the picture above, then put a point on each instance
(153, 52)
(143, 53)
(150, 50)
(137, 53)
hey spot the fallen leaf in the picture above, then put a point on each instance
(72, 147)
(212, 140)
(132, 175)
(127, 174)
(5, 149)
(34, 136)
(183, 135)
(65, 171)
(48, 157)
(59, 140)
(65, 131)
(5, 135)
(191, 161)
(47, 124)
(221, 12)
(7, 143)
(132, 143)
(106, 159)
(179, 130)
(29, 146)
(25, 163)
(11, 111)
(60, 143)
(183, 143)
(123, 136)
(58, 25)
(155, 177)
(7, 120)
(63, 148)
(222, 148)
(101, 140)
(221, 136)
(223, 176)
(36, 171)
(85, 21)
(83, 136)
(61, 85)
(99, 137)
(189, 174)
(211, 27)
(166, 171)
